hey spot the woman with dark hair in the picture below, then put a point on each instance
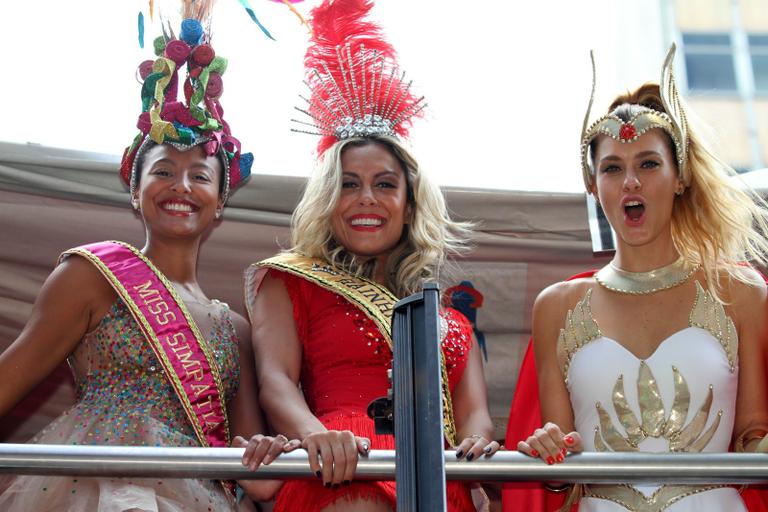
(155, 361)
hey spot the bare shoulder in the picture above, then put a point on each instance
(561, 297)
(81, 280)
(747, 301)
(242, 327)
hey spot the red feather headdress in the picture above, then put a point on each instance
(357, 88)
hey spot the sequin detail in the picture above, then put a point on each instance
(122, 391)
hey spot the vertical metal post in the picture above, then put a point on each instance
(417, 385)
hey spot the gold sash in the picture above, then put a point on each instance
(371, 298)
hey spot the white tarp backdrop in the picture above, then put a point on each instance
(53, 199)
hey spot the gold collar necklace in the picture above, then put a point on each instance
(643, 283)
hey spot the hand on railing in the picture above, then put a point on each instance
(551, 444)
(261, 449)
(333, 455)
(474, 446)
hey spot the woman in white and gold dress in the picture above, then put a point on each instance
(662, 349)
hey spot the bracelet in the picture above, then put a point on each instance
(557, 489)
(753, 434)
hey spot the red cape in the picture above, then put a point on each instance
(525, 417)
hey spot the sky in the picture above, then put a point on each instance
(507, 83)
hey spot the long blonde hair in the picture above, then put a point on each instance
(714, 222)
(427, 239)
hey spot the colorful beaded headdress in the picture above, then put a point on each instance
(198, 119)
(356, 87)
(673, 122)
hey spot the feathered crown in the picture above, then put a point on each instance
(198, 119)
(356, 87)
(673, 121)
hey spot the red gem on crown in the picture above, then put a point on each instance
(627, 131)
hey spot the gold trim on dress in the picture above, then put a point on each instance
(709, 314)
(580, 328)
(632, 499)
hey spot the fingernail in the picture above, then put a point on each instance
(534, 453)
(559, 457)
(347, 482)
(335, 486)
(459, 454)
(487, 449)
(564, 452)
(365, 447)
(470, 456)
(568, 439)
(550, 460)
(318, 474)
(327, 485)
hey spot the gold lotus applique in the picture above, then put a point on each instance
(653, 421)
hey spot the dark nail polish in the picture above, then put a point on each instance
(327, 485)
(470, 456)
(347, 482)
(335, 486)
(318, 474)
(459, 454)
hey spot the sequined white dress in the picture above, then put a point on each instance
(682, 398)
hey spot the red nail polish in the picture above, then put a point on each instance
(564, 452)
(550, 460)
(568, 439)
(559, 457)
(534, 453)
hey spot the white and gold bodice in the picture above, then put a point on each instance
(682, 398)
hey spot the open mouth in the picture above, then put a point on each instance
(634, 210)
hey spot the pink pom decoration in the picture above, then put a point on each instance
(177, 51)
(215, 86)
(145, 69)
(203, 55)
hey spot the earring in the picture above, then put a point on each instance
(135, 204)
(218, 214)
(679, 192)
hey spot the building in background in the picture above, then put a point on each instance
(723, 69)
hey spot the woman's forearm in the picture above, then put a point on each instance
(286, 409)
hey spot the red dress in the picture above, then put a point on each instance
(343, 368)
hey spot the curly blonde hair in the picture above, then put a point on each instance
(715, 223)
(428, 238)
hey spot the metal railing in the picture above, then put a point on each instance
(225, 463)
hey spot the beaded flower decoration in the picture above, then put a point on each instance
(356, 86)
(198, 119)
(673, 122)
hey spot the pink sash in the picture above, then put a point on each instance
(172, 333)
